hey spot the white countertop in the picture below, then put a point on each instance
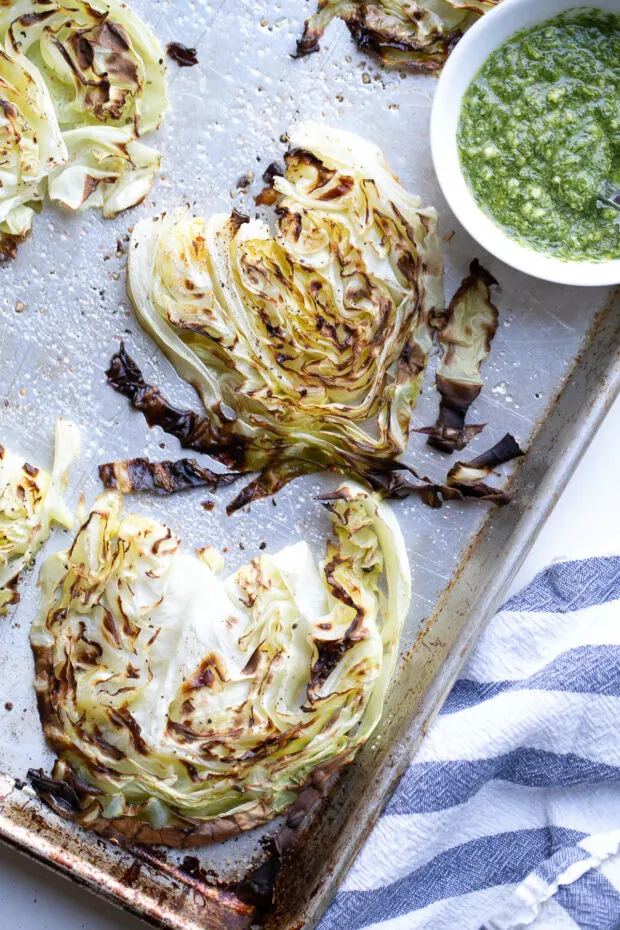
(585, 522)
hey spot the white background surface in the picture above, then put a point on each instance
(585, 522)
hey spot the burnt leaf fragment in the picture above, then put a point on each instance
(167, 477)
(462, 491)
(449, 434)
(471, 473)
(464, 480)
(9, 245)
(269, 195)
(192, 430)
(53, 790)
(404, 484)
(184, 57)
(465, 336)
(272, 171)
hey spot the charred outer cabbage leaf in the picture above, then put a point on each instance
(403, 34)
(466, 333)
(166, 477)
(308, 348)
(31, 500)
(185, 708)
(80, 84)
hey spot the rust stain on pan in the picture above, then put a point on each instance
(162, 896)
(161, 892)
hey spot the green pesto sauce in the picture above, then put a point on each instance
(540, 130)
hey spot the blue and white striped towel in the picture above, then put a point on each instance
(509, 816)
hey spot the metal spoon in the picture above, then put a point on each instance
(609, 194)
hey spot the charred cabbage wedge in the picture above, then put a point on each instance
(185, 708)
(31, 500)
(403, 34)
(308, 348)
(80, 84)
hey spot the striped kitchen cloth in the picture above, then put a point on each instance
(509, 816)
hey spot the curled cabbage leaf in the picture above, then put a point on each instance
(466, 332)
(468, 477)
(31, 500)
(105, 79)
(403, 34)
(185, 708)
(308, 348)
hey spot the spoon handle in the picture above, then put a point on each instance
(610, 195)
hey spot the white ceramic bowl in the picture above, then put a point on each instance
(487, 34)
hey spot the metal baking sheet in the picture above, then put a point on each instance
(552, 373)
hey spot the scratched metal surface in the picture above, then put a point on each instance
(226, 118)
